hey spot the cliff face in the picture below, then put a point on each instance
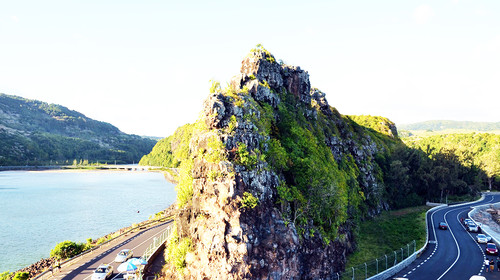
(273, 180)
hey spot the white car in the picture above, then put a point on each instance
(102, 272)
(477, 277)
(473, 227)
(481, 238)
(124, 255)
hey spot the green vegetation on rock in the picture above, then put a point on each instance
(269, 145)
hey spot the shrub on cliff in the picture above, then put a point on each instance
(21, 276)
(5, 275)
(67, 249)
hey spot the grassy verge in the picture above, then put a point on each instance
(388, 232)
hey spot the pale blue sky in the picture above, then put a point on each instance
(144, 66)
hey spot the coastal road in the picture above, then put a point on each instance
(453, 253)
(138, 242)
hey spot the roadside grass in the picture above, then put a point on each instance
(388, 232)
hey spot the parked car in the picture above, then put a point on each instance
(473, 227)
(102, 272)
(443, 225)
(491, 249)
(481, 238)
(124, 255)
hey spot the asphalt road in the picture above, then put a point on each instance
(454, 253)
(138, 242)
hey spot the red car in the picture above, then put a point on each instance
(443, 225)
(491, 249)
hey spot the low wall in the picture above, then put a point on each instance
(495, 236)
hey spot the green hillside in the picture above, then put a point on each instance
(446, 125)
(37, 133)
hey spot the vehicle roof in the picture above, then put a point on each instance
(491, 244)
(481, 235)
(442, 223)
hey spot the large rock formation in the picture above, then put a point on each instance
(276, 176)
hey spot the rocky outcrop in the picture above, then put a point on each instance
(232, 239)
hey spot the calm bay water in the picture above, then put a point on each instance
(40, 209)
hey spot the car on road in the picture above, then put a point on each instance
(443, 225)
(473, 227)
(102, 272)
(477, 277)
(124, 255)
(481, 238)
(491, 249)
(466, 221)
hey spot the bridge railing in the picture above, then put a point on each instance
(154, 247)
(157, 242)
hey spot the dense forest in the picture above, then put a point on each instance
(37, 133)
(474, 151)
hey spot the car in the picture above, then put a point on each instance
(102, 272)
(473, 227)
(124, 255)
(477, 277)
(491, 249)
(443, 225)
(466, 221)
(481, 238)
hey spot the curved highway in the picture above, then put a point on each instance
(138, 242)
(453, 253)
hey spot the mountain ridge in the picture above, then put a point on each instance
(34, 132)
(440, 125)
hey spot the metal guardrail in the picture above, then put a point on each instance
(154, 246)
(157, 242)
(46, 274)
(389, 264)
(374, 267)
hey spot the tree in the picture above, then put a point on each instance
(66, 249)
(21, 276)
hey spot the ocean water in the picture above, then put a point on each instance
(40, 209)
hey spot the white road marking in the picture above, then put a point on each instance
(132, 249)
(456, 243)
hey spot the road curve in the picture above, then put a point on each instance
(138, 242)
(454, 253)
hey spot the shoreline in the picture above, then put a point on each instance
(79, 168)
(44, 264)
(45, 261)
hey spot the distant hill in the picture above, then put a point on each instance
(441, 125)
(36, 133)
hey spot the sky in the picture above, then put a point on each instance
(145, 66)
